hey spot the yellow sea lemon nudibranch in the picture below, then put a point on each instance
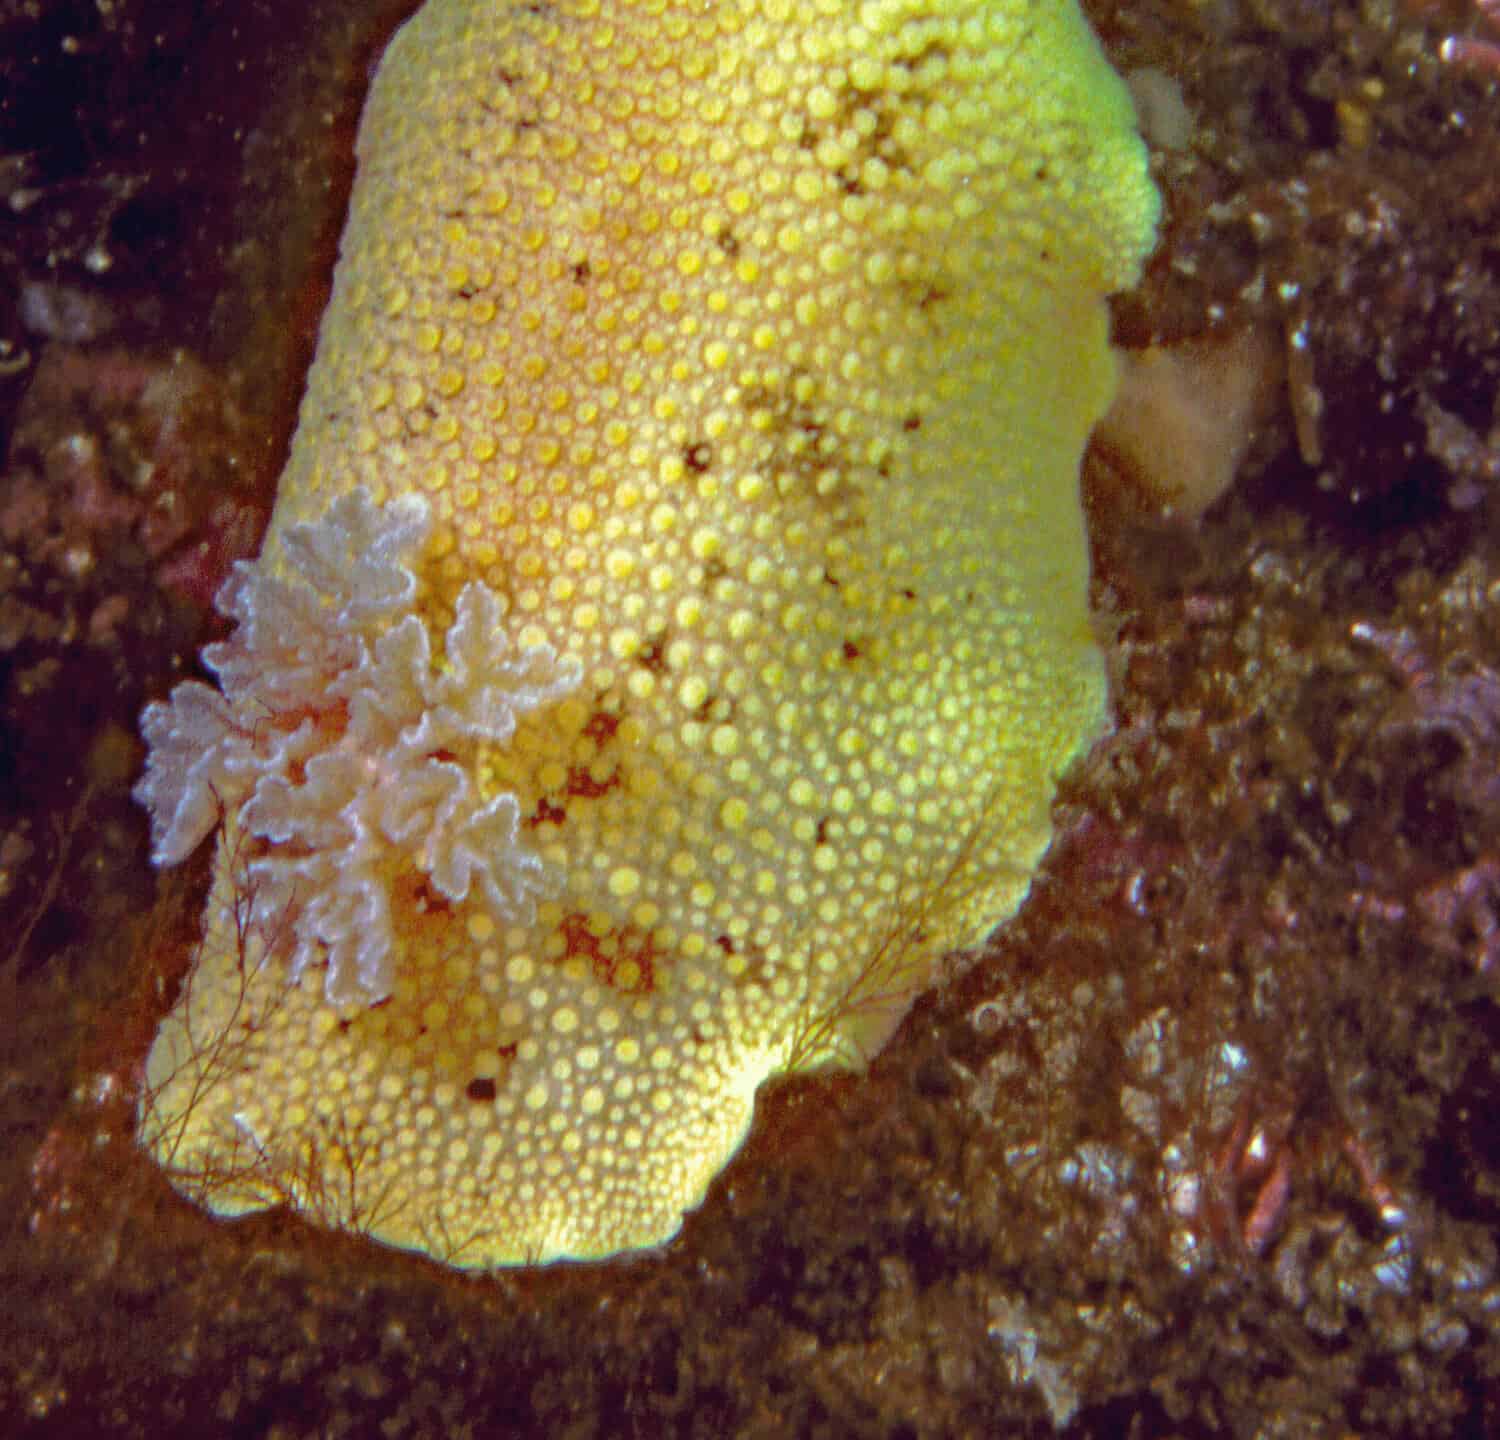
(673, 619)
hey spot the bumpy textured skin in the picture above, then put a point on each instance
(744, 351)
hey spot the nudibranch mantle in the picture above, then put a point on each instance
(674, 615)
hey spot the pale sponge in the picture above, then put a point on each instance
(674, 616)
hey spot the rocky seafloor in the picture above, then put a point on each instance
(1206, 1142)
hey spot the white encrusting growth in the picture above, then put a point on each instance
(346, 749)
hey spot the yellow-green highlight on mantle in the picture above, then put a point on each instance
(673, 619)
